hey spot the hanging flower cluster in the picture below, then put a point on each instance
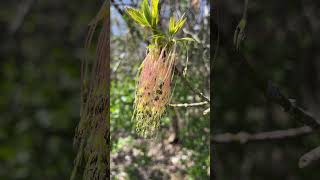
(153, 89)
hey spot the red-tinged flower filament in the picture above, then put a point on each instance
(153, 90)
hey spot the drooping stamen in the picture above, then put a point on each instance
(153, 90)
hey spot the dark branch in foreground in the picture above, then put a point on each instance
(266, 86)
(244, 137)
(309, 157)
(273, 94)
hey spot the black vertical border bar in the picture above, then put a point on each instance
(213, 48)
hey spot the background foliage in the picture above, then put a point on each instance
(41, 47)
(282, 42)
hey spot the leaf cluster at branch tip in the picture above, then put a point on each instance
(148, 16)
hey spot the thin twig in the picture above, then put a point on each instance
(189, 104)
(206, 111)
(131, 28)
(244, 137)
(309, 157)
(121, 12)
(125, 4)
(186, 81)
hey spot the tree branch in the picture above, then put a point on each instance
(189, 104)
(266, 86)
(244, 137)
(309, 157)
(123, 13)
(206, 111)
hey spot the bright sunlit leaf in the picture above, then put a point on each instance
(137, 16)
(171, 25)
(146, 11)
(154, 14)
(179, 24)
(186, 39)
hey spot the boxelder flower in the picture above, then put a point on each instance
(153, 91)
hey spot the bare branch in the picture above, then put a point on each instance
(131, 28)
(206, 111)
(309, 157)
(189, 104)
(116, 5)
(244, 137)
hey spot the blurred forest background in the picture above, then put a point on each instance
(181, 149)
(41, 49)
(282, 42)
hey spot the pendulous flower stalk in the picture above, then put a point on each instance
(153, 90)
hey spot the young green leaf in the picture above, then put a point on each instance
(145, 9)
(154, 13)
(186, 39)
(179, 24)
(151, 46)
(171, 25)
(157, 38)
(137, 16)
